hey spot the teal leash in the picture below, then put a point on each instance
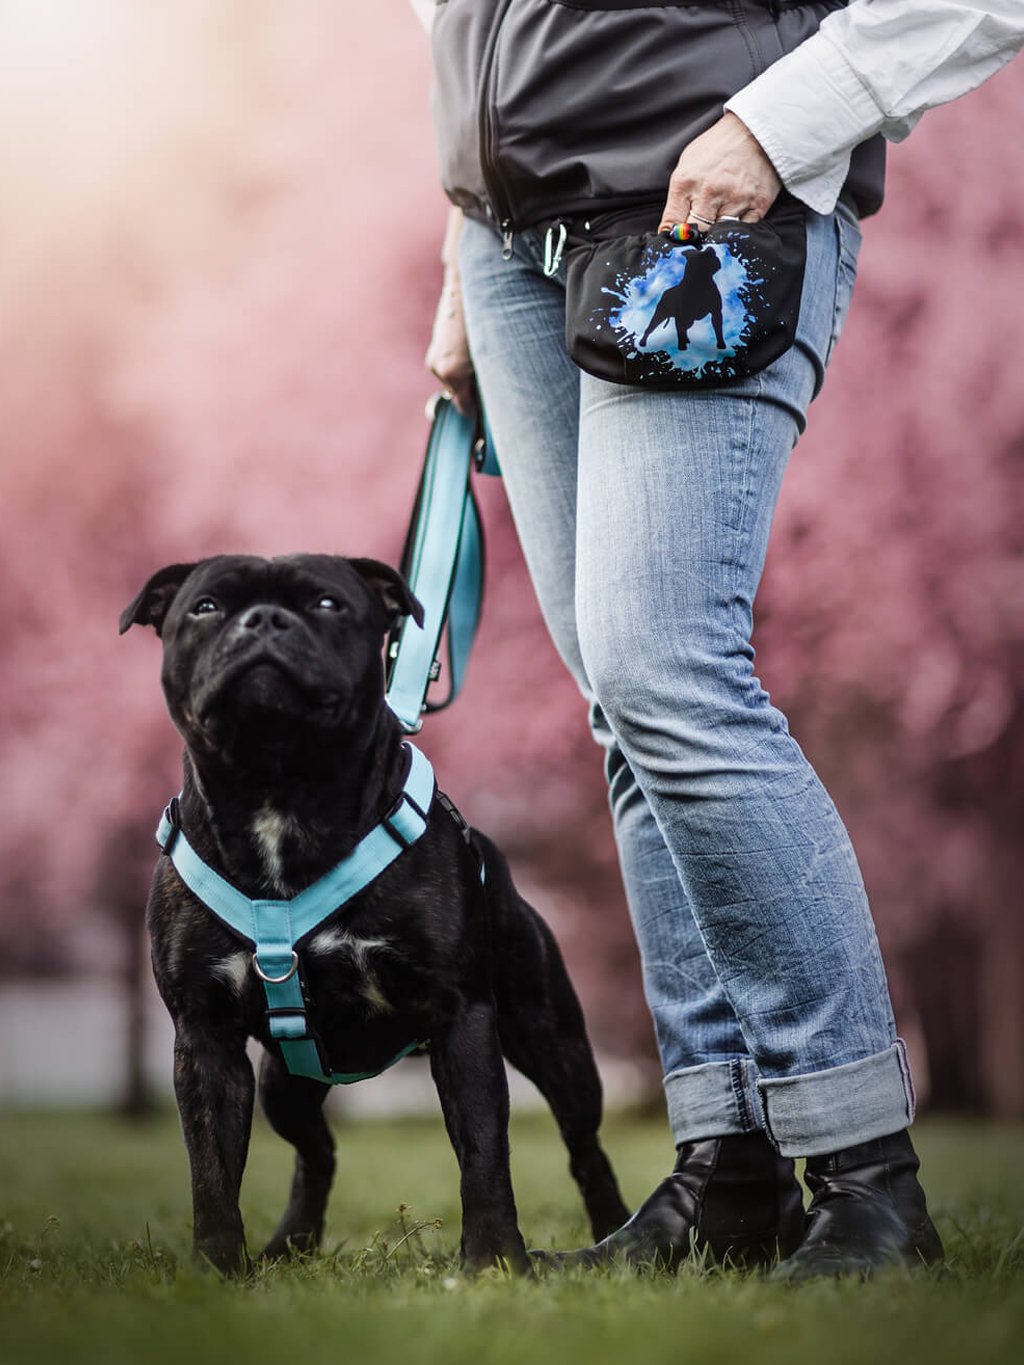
(443, 562)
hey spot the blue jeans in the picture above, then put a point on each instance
(644, 519)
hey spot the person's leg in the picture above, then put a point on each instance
(516, 323)
(676, 496)
(515, 318)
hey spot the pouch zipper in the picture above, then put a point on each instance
(631, 216)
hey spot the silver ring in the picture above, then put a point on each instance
(699, 218)
(276, 980)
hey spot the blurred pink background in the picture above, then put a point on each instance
(219, 242)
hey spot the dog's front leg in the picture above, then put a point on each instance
(468, 1070)
(213, 1084)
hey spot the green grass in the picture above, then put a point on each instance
(94, 1263)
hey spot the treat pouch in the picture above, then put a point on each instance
(645, 309)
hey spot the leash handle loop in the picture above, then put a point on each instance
(443, 561)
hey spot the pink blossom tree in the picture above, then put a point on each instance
(212, 316)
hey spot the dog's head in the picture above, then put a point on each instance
(272, 655)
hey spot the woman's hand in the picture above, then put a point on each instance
(724, 173)
(448, 353)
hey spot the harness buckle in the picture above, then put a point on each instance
(392, 828)
(392, 822)
(297, 1013)
(458, 819)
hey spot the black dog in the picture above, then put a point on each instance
(273, 674)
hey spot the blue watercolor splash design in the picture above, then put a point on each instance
(638, 297)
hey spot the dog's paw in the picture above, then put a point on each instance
(499, 1265)
(282, 1247)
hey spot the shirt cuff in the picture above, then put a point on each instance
(808, 111)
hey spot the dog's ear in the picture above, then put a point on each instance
(391, 588)
(152, 604)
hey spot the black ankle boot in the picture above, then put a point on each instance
(867, 1212)
(734, 1196)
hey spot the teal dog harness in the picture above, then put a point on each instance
(274, 928)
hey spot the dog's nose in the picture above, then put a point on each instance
(266, 619)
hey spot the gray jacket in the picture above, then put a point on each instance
(551, 108)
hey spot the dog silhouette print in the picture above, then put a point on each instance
(694, 297)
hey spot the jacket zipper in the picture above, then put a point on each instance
(499, 203)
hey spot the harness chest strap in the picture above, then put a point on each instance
(274, 927)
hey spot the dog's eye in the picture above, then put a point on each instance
(204, 606)
(327, 603)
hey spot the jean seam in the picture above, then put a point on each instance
(738, 528)
(739, 535)
(846, 264)
(908, 1079)
(736, 1080)
(765, 1121)
(833, 335)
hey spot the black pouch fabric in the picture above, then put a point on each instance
(646, 310)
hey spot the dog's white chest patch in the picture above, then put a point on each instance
(360, 952)
(270, 829)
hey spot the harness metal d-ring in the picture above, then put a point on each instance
(276, 980)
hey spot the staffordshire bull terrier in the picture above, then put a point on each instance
(273, 674)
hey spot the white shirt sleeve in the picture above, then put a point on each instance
(425, 12)
(875, 66)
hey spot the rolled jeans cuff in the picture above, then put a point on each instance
(825, 1111)
(713, 1100)
(806, 1115)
